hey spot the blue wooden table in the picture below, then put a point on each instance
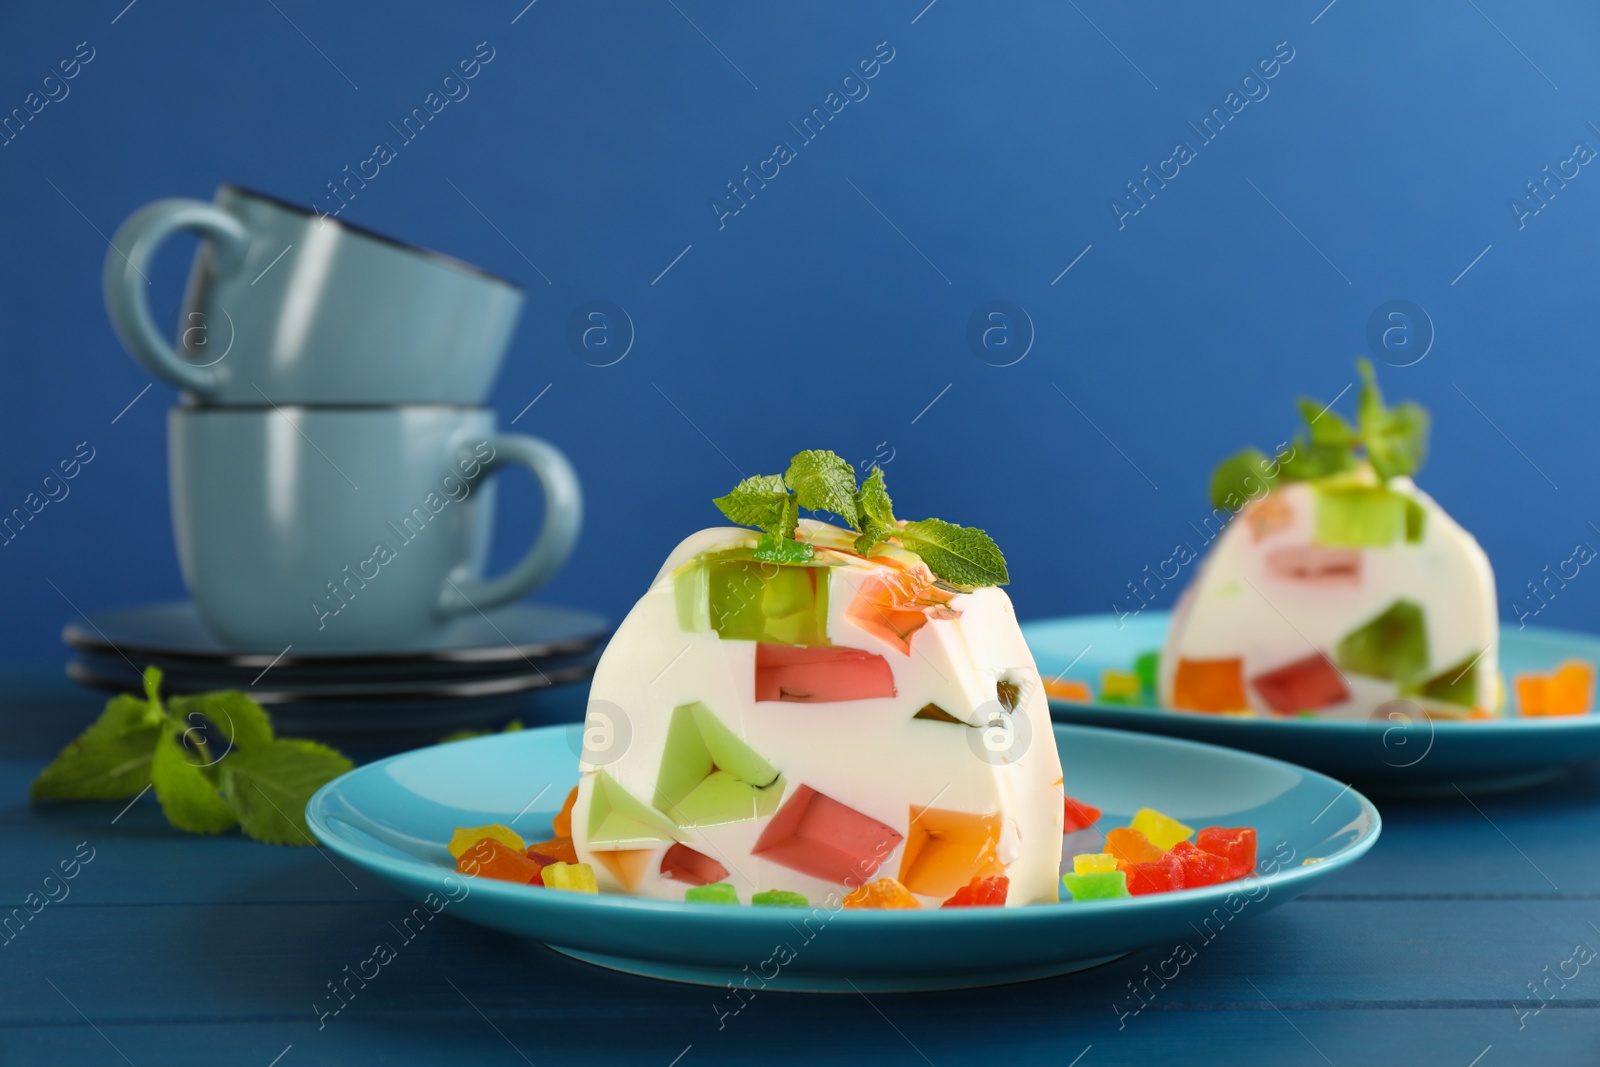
(1467, 938)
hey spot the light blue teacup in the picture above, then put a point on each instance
(352, 529)
(286, 307)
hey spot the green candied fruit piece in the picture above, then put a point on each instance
(1457, 684)
(1148, 668)
(754, 601)
(1393, 645)
(1358, 516)
(716, 893)
(1416, 521)
(1097, 885)
(780, 898)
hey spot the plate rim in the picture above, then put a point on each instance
(413, 868)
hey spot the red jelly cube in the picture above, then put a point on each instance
(489, 858)
(1079, 815)
(1199, 866)
(1159, 876)
(981, 893)
(1236, 846)
(683, 864)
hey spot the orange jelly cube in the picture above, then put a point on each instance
(563, 822)
(883, 893)
(556, 849)
(1209, 685)
(1131, 846)
(489, 858)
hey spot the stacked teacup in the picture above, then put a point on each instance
(331, 457)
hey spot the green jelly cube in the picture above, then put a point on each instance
(619, 819)
(1098, 885)
(1393, 645)
(691, 591)
(708, 775)
(1457, 684)
(1148, 668)
(1416, 522)
(716, 893)
(780, 898)
(1358, 516)
(754, 601)
(722, 798)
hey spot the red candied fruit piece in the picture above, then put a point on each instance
(488, 858)
(1235, 845)
(1159, 876)
(981, 893)
(1199, 866)
(557, 849)
(1079, 816)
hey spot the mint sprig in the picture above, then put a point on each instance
(212, 759)
(1394, 441)
(819, 480)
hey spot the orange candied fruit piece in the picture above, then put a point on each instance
(1568, 691)
(981, 893)
(489, 858)
(557, 849)
(562, 826)
(883, 893)
(1131, 846)
(1209, 685)
(1069, 689)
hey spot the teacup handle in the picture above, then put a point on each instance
(125, 283)
(563, 515)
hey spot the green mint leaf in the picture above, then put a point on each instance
(824, 481)
(1398, 442)
(1369, 406)
(1240, 478)
(1327, 426)
(956, 554)
(783, 550)
(188, 799)
(467, 735)
(268, 787)
(242, 722)
(1310, 461)
(761, 501)
(877, 513)
(108, 761)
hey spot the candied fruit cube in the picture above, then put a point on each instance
(1078, 815)
(883, 893)
(1069, 689)
(1163, 831)
(572, 877)
(1097, 885)
(1120, 687)
(561, 826)
(490, 858)
(1209, 685)
(1131, 846)
(715, 893)
(1199, 866)
(467, 836)
(1093, 862)
(1148, 667)
(555, 850)
(780, 898)
(1159, 876)
(1568, 691)
(1235, 845)
(987, 892)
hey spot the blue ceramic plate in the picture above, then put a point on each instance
(1389, 756)
(393, 817)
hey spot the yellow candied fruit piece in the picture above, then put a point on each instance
(573, 877)
(1114, 684)
(1163, 830)
(467, 836)
(883, 893)
(1093, 863)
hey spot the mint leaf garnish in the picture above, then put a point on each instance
(959, 555)
(267, 788)
(204, 784)
(1394, 441)
(108, 761)
(824, 481)
(188, 798)
(1240, 478)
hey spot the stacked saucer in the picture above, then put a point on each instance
(485, 670)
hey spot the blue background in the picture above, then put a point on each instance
(833, 309)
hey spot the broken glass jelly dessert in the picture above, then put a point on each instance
(780, 722)
(1342, 588)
